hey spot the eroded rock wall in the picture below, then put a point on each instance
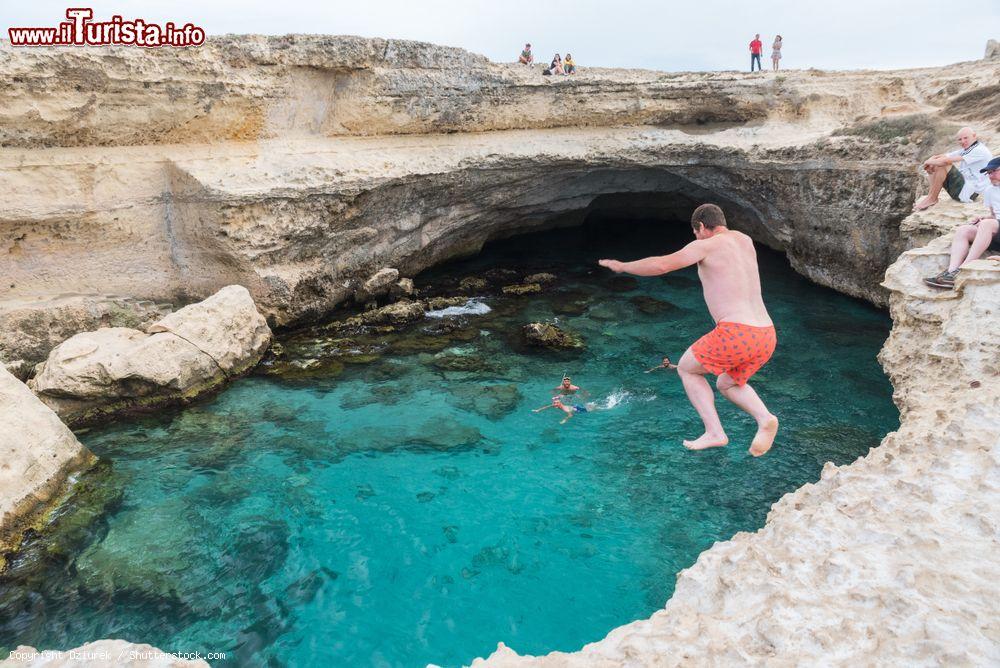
(301, 166)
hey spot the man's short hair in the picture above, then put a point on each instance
(709, 215)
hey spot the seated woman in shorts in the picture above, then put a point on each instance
(569, 67)
(557, 66)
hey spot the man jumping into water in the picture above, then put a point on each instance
(743, 339)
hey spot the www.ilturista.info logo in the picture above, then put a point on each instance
(80, 30)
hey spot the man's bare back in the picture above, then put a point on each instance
(730, 279)
(743, 339)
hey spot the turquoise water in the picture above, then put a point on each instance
(401, 504)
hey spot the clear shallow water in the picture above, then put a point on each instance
(399, 511)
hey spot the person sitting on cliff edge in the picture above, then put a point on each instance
(526, 58)
(982, 233)
(743, 339)
(965, 183)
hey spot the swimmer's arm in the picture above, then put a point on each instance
(693, 253)
(542, 408)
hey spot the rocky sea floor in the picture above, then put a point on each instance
(383, 495)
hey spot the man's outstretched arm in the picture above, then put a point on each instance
(693, 253)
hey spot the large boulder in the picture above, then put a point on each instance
(37, 454)
(190, 351)
(546, 335)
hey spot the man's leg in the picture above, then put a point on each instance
(701, 396)
(985, 230)
(960, 245)
(746, 398)
(937, 175)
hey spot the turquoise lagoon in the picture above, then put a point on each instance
(407, 506)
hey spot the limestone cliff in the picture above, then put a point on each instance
(302, 166)
(890, 560)
(38, 453)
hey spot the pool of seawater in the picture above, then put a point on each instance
(400, 511)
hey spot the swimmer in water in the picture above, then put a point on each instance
(665, 364)
(570, 411)
(567, 388)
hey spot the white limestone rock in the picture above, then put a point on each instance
(226, 326)
(96, 374)
(37, 454)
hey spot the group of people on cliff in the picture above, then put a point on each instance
(557, 66)
(967, 174)
(757, 47)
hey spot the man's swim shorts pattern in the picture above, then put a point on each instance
(736, 349)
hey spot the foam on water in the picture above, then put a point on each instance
(475, 306)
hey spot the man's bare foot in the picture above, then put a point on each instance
(765, 437)
(706, 441)
(924, 204)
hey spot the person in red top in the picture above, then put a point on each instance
(755, 48)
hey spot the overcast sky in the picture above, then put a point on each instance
(665, 35)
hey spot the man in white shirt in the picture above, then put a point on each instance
(980, 235)
(964, 183)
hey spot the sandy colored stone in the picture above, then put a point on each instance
(891, 560)
(37, 455)
(377, 285)
(226, 326)
(96, 374)
(99, 654)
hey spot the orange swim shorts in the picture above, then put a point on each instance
(734, 348)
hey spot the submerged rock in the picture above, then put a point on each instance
(438, 434)
(472, 284)
(546, 335)
(187, 353)
(522, 289)
(491, 401)
(540, 278)
(470, 363)
(623, 284)
(652, 305)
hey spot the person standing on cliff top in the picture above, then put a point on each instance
(981, 234)
(526, 58)
(743, 339)
(755, 48)
(775, 53)
(964, 183)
